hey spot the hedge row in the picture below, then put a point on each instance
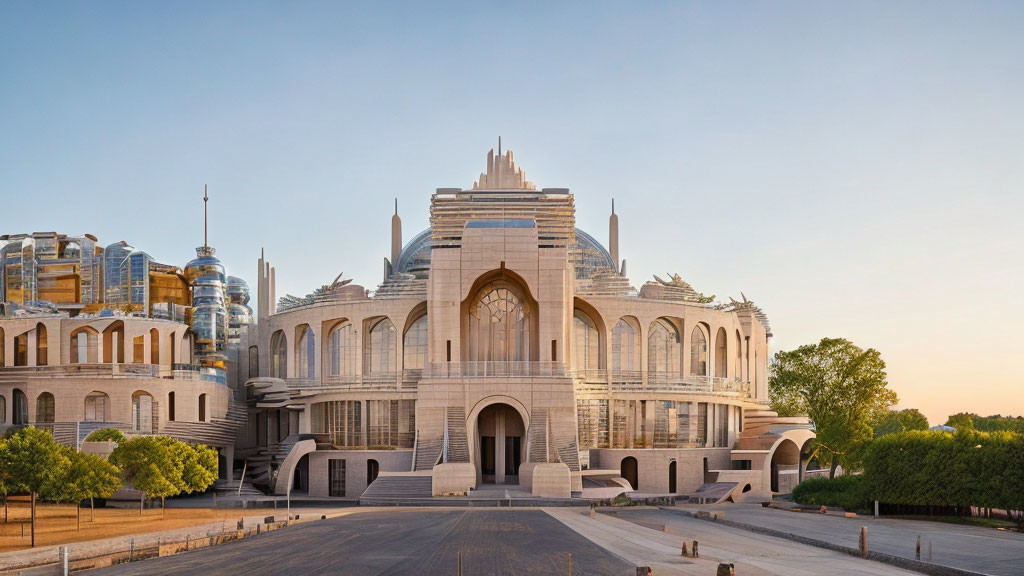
(846, 492)
(968, 468)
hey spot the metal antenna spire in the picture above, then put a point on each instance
(206, 199)
(499, 146)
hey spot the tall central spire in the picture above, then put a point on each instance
(206, 199)
(502, 173)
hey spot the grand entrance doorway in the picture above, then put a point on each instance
(500, 444)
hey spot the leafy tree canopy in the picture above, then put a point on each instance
(106, 434)
(895, 421)
(994, 423)
(37, 462)
(841, 387)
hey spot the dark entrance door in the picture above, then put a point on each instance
(372, 469)
(628, 470)
(513, 458)
(487, 454)
(672, 477)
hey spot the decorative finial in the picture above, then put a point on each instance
(499, 145)
(206, 199)
(396, 206)
(613, 205)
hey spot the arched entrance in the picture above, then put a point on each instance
(501, 445)
(672, 477)
(785, 467)
(628, 471)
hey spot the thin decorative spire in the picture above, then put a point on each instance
(206, 199)
(613, 205)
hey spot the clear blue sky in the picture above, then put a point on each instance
(855, 169)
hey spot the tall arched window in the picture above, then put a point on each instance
(721, 354)
(698, 352)
(45, 408)
(254, 362)
(381, 354)
(113, 343)
(41, 344)
(586, 342)
(3, 407)
(279, 355)
(154, 346)
(305, 353)
(343, 348)
(499, 325)
(414, 347)
(625, 346)
(19, 408)
(97, 405)
(202, 407)
(663, 349)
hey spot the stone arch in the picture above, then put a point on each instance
(84, 345)
(341, 352)
(784, 463)
(597, 359)
(472, 419)
(699, 339)
(97, 407)
(507, 289)
(113, 343)
(415, 339)
(721, 354)
(46, 408)
(380, 346)
(664, 349)
(142, 412)
(305, 351)
(626, 347)
(628, 469)
(279, 355)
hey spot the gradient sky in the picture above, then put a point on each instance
(857, 170)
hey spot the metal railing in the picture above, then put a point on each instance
(177, 371)
(495, 369)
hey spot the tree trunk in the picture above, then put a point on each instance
(92, 510)
(33, 520)
(141, 499)
(835, 464)
(162, 507)
(5, 507)
(79, 508)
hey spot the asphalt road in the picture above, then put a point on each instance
(492, 541)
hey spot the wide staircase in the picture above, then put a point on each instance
(458, 442)
(712, 493)
(428, 452)
(390, 490)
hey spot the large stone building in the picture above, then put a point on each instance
(504, 346)
(507, 346)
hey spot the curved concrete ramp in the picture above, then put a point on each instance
(713, 493)
(287, 469)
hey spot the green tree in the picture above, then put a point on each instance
(895, 421)
(88, 477)
(163, 467)
(200, 467)
(37, 464)
(7, 484)
(961, 421)
(840, 387)
(105, 434)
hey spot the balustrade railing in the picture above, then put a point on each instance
(496, 369)
(115, 370)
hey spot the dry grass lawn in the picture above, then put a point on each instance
(57, 523)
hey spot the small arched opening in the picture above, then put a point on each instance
(628, 471)
(500, 444)
(41, 345)
(372, 470)
(85, 345)
(785, 465)
(154, 347)
(170, 406)
(19, 408)
(45, 408)
(721, 354)
(113, 343)
(97, 407)
(279, 355)
(202, 407)
(142, 412)
(672, 477)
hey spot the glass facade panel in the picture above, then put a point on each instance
(381, 349)
(663, 349)
(585, 342)
(305, 354)
(336, 477)
(625, 356)
(499, 326)
(698, 352)
(414, 349)
(44, 408)
(343, 349)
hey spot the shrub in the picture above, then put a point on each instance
(106, 435)
(846, 492)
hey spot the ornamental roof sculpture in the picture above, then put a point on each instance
(502, 173)
(673, 289)
(337, 290)
(735, 306)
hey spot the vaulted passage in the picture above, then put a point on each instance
(501, 444)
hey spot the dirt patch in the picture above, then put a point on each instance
(57, 523)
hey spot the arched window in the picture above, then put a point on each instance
(586, 342)
(344, 348)
(721, 354)
(625, 346)
(97, 405)
(113, 343)
(41, 345)
(3, 407)
(170, 406)
(84, 349)
(414, 347)
(499, 325)
(663, 349)
(154, 347)
(19, 408)
(21, 350)
(381, 352)
(698, 352)
(254, 362)
(305, 353)
(279, 355)
(142, 412)
(45, 408)
(202, 407)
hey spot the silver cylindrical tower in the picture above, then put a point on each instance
(239, 313)
(208, 316)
